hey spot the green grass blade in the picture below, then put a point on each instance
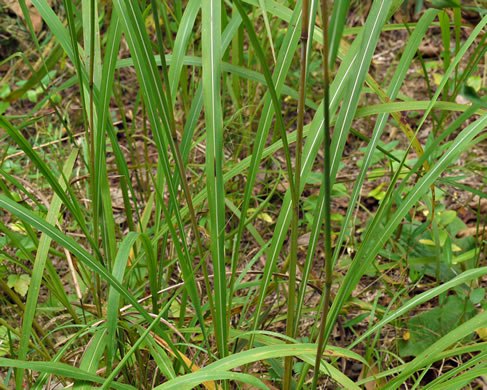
(235, 70)
(467, 375)
(191, 382)
(465, 379)
(56, 27)
(104, 84)
(135, 347)
(211, 55)
(453, 352)
(392, 107)
(113, 303)
(315, 135)
(444, 20)
(38, 74)
(181, 43)
(372, 29)
(262, 4)
(92, 63)
(314, 139)
(163, 361)
(337, 25)
(60, 369)
(92, 356)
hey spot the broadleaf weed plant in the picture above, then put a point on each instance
(243, 194)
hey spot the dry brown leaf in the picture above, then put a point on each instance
(480, 205)
(376, 384)
(304, 239)
(14, 6)
(472, 232)
(429, 50)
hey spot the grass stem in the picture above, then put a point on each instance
(327, 180)
(291, 312)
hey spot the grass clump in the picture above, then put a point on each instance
(243, 194)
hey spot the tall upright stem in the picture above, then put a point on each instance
(92, 120)
(291, 314)
(327, 181)
(91, 134)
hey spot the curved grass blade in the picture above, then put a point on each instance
(61, 369)
(337, 25)
(189, 128)
(57, 28)
(92, 356)
(314, 138)
(61, 353)
(389, 108)
(372, 30)
(454, 352)
(465, 378)
(235, 70)
(431, 353)
(367, 43)
(463, 278)
(135, 347)
(163, 361)
(459, 56)
(181, 43)
(191, 382)
(262, 4)
(302, 351)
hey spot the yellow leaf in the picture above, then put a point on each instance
(482, 332)
(17, 227)
(265, 217)
(437, 78)
(455, 248)
(262, 216)
(427, 242)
